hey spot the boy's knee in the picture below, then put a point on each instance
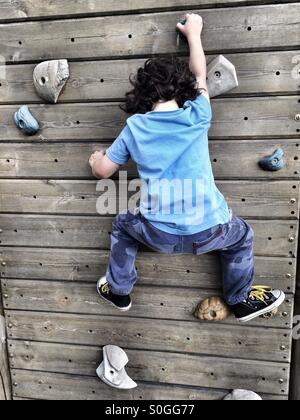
(118, 222)
(122, 220)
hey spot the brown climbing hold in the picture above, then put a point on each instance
(270, 315)
(212, 309)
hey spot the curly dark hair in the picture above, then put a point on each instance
(164, 78)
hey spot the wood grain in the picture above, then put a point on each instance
(258, 73)
(265, 199)
(69, 161)
(272, 239)
(192, 370)
(233, 118)
(29, 9)
(51, 386)
(153, 269)
(149, 302)
(171, 335)
(144, 34)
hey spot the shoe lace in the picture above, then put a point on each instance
(260, 293)
(105, 288)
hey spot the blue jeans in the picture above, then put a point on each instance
(233, 240)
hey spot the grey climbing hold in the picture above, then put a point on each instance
(180, 35)
(275, 162)
(242, 395)
(222, 76)
(112, 369)
(50, 78)
(25, 121)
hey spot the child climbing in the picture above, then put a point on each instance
(167, 137)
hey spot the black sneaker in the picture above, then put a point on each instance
(261, 300)
(123, 303)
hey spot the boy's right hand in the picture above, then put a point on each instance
(193, 26)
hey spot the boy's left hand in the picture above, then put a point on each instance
(98, 155)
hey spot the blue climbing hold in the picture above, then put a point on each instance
(26, 122)
(274, 162)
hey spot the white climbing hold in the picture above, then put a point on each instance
(112, 369)
(242, 395)
(222, 76)
(50, 78)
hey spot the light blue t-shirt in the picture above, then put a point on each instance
(171, 151)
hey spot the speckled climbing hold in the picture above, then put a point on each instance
(270, 315)
(25, 121)
(242, 395)
(212, 309)
(275, 162)
(50, 78)
(222, 76)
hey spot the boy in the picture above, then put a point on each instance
(168, 139)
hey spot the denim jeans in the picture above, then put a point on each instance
(234, 242)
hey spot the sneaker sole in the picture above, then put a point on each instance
(275, 305)
(111, 303)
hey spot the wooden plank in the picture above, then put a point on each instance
(144, 334)
(259, 73)
(88, 329)
(5, 385)
(267, 199)
(35, 9)
(150, 34)
(233, 118)
(153, 269)
(272, 238)
(69, 161)
(54, 386)
(191, 370)
(177, 304)
(295, 370)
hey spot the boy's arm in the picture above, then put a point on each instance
(193, 31)
(102, 166)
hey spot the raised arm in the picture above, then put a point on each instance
(192, 29)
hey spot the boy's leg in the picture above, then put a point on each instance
(234, 241)
(246, 301)
(121, 272)
(237, 258)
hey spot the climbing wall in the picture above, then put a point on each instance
(54, 246)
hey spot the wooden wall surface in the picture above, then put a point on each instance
(54, 246)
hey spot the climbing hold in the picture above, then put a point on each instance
(183, 21)
(112, 369)
(180, 35)
(26, 122)
(50, 78)
(222, 76)
(212, 309)
(270, 315)
(275, 162)
(242, 395)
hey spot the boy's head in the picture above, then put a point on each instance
(161, 79)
